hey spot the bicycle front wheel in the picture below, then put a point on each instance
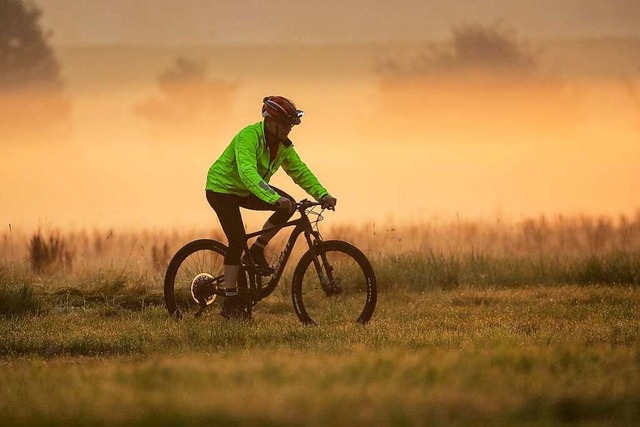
(197, 259)
(334, 283)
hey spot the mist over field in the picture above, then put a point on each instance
(400, 125)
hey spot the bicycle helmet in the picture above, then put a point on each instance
(281, 109)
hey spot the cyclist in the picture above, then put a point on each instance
(240, 177)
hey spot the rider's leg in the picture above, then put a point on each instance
(265, 238)
(227, 207)
(231, 279)
(278, 218)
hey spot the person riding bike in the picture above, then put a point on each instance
(240, 178)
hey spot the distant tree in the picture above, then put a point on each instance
(26, 59)
(190, 103)
(31, 98)
(473, 49)
(485, 76)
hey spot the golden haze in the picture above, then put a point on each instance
(406, 150)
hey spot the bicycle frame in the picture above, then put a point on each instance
(302, 225)
(205, 287)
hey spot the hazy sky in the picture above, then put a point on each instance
(567, 143)
(170, 22)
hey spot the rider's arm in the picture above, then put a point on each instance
(301, 175)
(245, 150)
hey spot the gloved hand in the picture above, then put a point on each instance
(285, 204)
(329, 202)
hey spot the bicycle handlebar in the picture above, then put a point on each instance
(306, 204)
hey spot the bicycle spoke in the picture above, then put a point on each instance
(339, 300)
(188, 264)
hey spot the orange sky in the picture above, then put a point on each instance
(411, 153)
(172, 22)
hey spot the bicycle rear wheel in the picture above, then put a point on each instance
(347, 292)
(197, 259)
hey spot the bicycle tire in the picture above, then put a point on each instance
(176, 280)
(357, 296)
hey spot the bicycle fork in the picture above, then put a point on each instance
(324, 269)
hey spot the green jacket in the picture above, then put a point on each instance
(245, 167)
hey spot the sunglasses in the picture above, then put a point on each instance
(294, 118)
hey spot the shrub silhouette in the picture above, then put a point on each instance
(473, 48)
(46, 255)
(486, 77)
(190, 102)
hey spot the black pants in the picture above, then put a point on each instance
(227, 207)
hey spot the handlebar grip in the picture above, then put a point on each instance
(304, 204)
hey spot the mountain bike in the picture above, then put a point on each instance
(333, 281)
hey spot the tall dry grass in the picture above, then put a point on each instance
(572, 236)
(580, 249)
(53, 251)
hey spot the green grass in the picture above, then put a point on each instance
(419, 271)
(532, 355)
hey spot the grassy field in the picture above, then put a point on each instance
(533, 355)
(535, 323)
